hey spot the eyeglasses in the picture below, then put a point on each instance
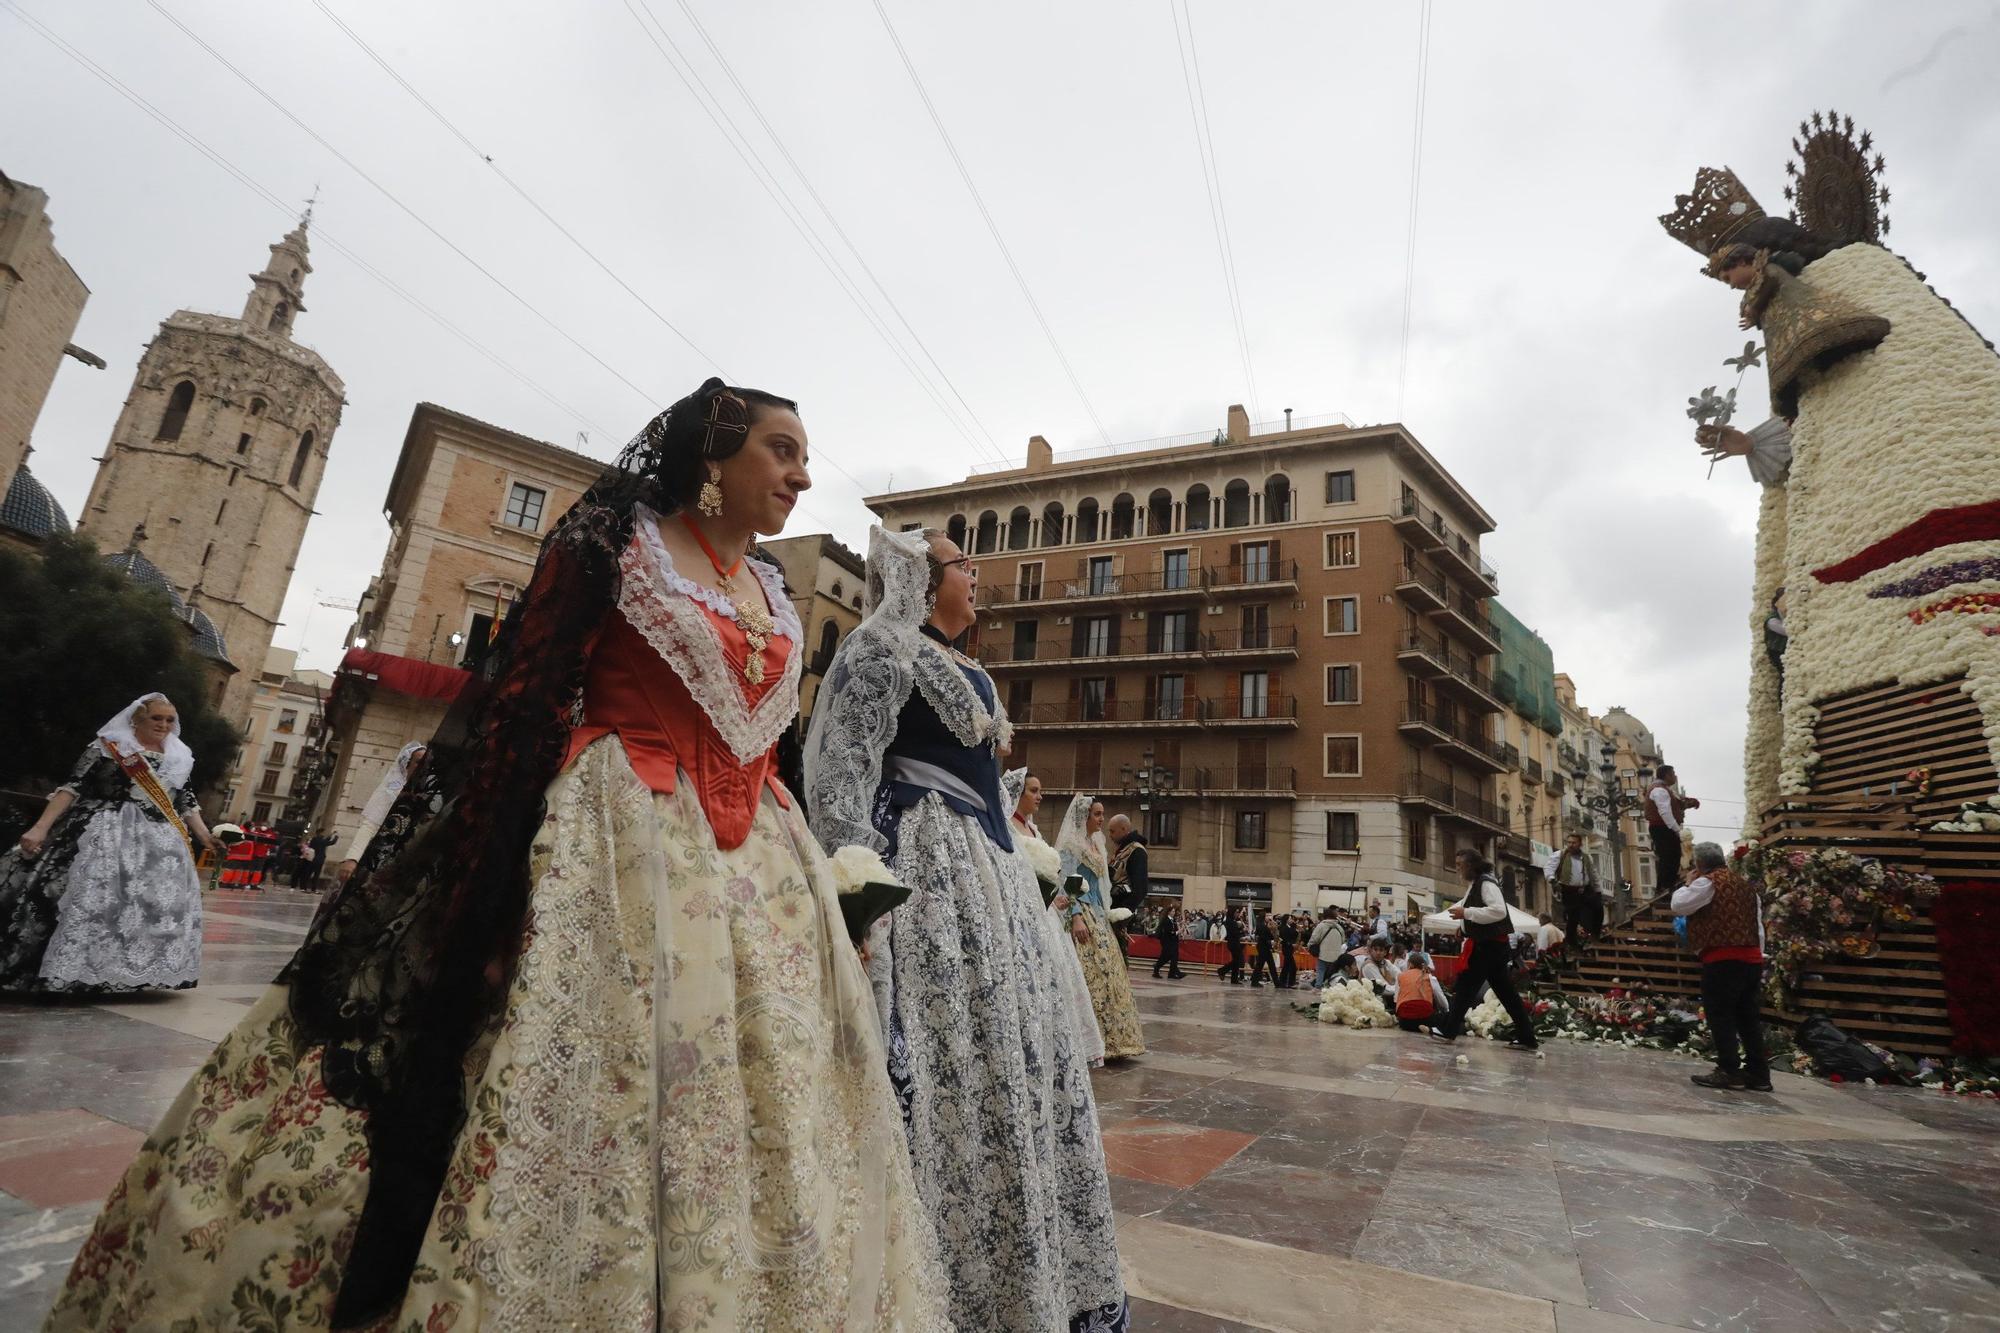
(964, 560)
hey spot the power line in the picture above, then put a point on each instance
(244, 179)
(511, 184)
(1416, 191)
(993, 227)
(1211, 177)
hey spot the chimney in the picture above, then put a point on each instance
(1040, 457)
(1239, 424)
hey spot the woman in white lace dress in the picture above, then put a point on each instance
(1024, 793)
(589, 1047)
(903, 759)
(100, 895)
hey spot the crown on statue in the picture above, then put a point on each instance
(1709, 216)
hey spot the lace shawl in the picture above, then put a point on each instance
(873, 674)
(176, 763)
(1079, 851)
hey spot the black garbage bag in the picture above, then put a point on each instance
(1835, 1052)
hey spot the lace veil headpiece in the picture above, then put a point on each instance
(177, 761)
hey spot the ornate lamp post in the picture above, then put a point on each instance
(1614, 802)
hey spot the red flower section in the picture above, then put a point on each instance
(1940, 527)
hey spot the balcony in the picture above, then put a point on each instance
(1273, 641)
(1251, 577)
(1147, 585)
(1533, 768)
(1253, 712)
(1105, 778)
(1130, 650)
(1512, 755)
(1557, 783)
(1515, 847)
(1461, 557)
(1418, 524)
(1463, 617)
(1471, 685)
(1425, 726)
(1112, 715)
(1422, 588)
(1436, 794)
(1473, 809)
(1262, 780)
(1421, 655)
(1468, 746)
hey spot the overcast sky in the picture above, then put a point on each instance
(1555, 331)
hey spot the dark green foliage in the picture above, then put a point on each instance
(78, 642)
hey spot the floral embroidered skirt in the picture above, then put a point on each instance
(1075, 989)
(683, 1120)
(1002, 1122)
(1110, 988)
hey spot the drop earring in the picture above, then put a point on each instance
(709, 500)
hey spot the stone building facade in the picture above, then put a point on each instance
(41, 300)
(280, 743)
(217, 455)
(1274, 639)
(826, 581)
(468, 506)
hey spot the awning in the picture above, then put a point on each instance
(405, 675)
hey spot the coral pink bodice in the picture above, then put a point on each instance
(666, 675)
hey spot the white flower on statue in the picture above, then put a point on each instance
(855, 865)
(1353, 1004)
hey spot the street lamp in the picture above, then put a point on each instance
(1614, 803)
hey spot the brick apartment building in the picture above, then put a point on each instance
(1274, 641)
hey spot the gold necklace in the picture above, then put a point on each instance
(751, 614)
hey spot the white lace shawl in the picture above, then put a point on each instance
(387, 789)
(176, 762)
(871, 679)
(654, 599)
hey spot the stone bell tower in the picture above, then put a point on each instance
(219, 452)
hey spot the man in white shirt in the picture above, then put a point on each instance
(1574, 878)
(1664, 812)
(1483, 912)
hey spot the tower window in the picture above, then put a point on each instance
(278, 315)
(219, 510)
(299, 458)
(256, 407)
(524, 507)
(243, 444)
(176, 415)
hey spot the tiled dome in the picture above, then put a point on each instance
(142, 571)
(208, 639)
(30, 509)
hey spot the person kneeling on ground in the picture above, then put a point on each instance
(1726, 929)
(1419, 995)
(1488, 962)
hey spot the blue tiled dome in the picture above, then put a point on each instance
(142, 571)
(208, 639)
(30, 509)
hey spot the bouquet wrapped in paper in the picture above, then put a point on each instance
(1046, 862)
(868, 889)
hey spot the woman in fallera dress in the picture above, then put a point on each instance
(1024, 794)
(591, 1048)
(100, 895)
(904, 759)
(1081, 844)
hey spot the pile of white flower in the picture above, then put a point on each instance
(1354, 1004)
(1043, 859)
(855, 865)
(1489, 1015)
(1973, 817)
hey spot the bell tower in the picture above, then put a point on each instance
(219, 452)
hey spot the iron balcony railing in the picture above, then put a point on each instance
(1251, 573)
(1269, 638)
(1251, 708)
(1261, 777)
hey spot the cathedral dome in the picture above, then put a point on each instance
(208, 639)
(1622, 723)
(29, 509)
(145, 573)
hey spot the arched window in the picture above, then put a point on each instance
(1020, 524)
(1236, 504)
(299, 458)
(256, 407)
(1160, 513)
(179, 403)
(278, 315)
(1197, 516)
(1052, 523)
(838, 591)
(1278, 498)
(829, 639)
(954, 528)
(1122, 510)
(986, 537)
(1086, 520)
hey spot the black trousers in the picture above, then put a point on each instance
(1265, 964)
(1488, 967)
(1573, 907)
(1666, 858)
(1170, 956)
(1731, 996)
(1288, 965)
(1233, 969)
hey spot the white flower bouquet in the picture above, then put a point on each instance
(868, 889)
(1046, 862)
(1487, 1016)
(1118, 914)
(1354, 1004)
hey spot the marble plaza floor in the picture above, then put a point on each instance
(1271, 1173)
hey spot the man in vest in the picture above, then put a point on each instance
(1664, 812)
(1575, 878)
(1487, 924)
(1726, 929)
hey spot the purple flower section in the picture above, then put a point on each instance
(1941, 576)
